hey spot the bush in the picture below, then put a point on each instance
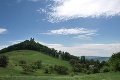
(77, 68)
(73, 62)
(22, 62)
(48, 69)
(88, 72)
(60, 69)
(38, 64)
(105, 69)
(95, 70)
(4, 61)
(27, 69)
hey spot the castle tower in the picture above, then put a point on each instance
(32, 39)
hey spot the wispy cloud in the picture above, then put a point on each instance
(41, 10)
(89, 49)
(83, 37)
(2, 30)
(62, 10)
(80, 33)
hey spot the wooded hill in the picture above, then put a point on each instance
(75, 64)
(32, 45)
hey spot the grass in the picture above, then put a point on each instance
(29, 56)
(13, 70)
(100, 76)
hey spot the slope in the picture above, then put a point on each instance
(29, 56)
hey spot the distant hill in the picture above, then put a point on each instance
(98, 58)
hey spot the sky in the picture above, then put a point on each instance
(80, 27)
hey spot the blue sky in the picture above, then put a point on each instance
(80, 27)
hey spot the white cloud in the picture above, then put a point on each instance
(89, 49)
(83, 37)
(63, 10)
(2, 30)
(79, 33)
(41, 10)
(3, 46)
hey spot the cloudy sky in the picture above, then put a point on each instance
(80, 27)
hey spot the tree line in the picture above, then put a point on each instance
(79, 64)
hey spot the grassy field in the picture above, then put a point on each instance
(29, 56)
(100, 76)
(13, 70)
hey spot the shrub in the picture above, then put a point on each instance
(77, 68)
(95, 70)
(22, 62)
(4, 61)
(48, 69)
(27, 69)
(60, 69)
(105, 69)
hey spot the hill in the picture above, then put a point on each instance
(29, 56)
(32, 45)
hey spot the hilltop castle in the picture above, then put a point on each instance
(32, 39)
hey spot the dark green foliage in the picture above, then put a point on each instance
(82, 60)
(22, 62)
(27, 69)
(3, 61)
(105, 69)
(48, 69)
(73, 62)
(38, 64)
(31, 67)
(77, 68)
(114, 62)
(60, 69)
(95, 70)
(32, 45)
(84, 65)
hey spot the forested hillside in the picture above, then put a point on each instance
(32, 45)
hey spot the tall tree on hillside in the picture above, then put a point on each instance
(3, 61)
(82, 59)
(114, 62)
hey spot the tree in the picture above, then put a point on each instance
(95, 70)
(105, 69)
(77, 67)
(114, 62)
(3, 61)
(60, 69)
(73, 62)
(22, 62)
(27, 69)
(48, 69)
(82, 59)
(38, 64)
